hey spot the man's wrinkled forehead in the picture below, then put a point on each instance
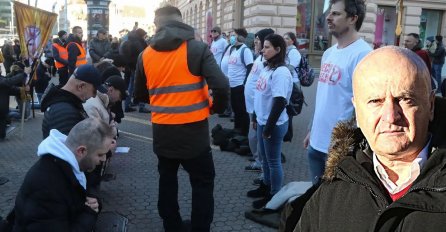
(390, 61)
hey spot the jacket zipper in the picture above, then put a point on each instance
(342, 173)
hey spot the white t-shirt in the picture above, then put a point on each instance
(236, 69)
(271, 84)
(224, 62)
(217, 48)
(334, 91)
(293, 58)
(251, 82)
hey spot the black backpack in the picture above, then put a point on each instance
(297, 99)
(305, 72)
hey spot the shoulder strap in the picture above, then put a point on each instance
(224, 52)
(242, 55)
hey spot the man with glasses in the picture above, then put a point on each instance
(218, 44)
(334, 90)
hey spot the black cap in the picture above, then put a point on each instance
(61, 33)
(118, 83)
(90, 74)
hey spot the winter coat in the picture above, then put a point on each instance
(42, 79)
(352, 198)
(439, 54)
(73, 52)
(98, 48)
(62, 110)
(192, 139)
(131, 49)
(52, 196)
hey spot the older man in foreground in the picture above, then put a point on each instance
(388, 175)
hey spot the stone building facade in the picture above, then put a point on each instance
(307, 19)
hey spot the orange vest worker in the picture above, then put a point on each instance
(176, 95)
(82, 57)
(63, 54)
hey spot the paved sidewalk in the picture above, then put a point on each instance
(134, 193)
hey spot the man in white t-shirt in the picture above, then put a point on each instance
(218, 44)
(239, 65)
(334, 90)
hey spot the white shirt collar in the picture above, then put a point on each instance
(417, 164)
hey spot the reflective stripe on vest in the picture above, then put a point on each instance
(82, 57)
(63, 54)
(176, 95)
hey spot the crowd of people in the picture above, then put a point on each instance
(375, 144)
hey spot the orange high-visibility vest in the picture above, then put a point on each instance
(63, 54)
(176, 95)
(82, 57)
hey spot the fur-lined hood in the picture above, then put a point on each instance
(346, 138)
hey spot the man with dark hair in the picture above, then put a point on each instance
(334, 91)
(60, 55)
(53, 195)
(77, 55)
(388, 174)
(174, 73)
(438, 60)
(218, 44)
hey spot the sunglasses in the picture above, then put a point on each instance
(213, 31)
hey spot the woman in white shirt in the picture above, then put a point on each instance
(293, 56)
(273, 91)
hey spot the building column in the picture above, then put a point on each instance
(369, 25)
(278, 15)
(411, 20)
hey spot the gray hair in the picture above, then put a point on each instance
(90, 132)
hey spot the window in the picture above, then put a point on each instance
(430, 24)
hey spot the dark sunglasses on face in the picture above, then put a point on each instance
(213, 31)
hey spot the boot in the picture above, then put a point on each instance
(261, 191)
(258, 204)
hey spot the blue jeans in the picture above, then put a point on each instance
(436, 72)
(269, 151)
(131, 88)
(316, 161)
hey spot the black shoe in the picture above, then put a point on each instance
(265, 211)
(257, 181)
(261, 191)
(129, 110)
(258, 204)
(282, 158)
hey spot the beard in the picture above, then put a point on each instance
(338, 34)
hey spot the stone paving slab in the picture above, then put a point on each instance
(134, 193)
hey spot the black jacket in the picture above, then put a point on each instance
(98, 49)
(73, 52)
(352, 198)
(51, 199)
(439, 54)
(62, 110)
(8, 87)
(131, 49)
(190, 140)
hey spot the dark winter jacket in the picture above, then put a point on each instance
(8, 87)
(352, 198)
(439, 54)
(62, 110)
(73, 52)
(42, 78)
(131, 49)
(190, 139)
(51, 199)
(98, 48)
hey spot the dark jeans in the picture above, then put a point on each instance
(201, 175)
(63, 75)
(241, 117)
